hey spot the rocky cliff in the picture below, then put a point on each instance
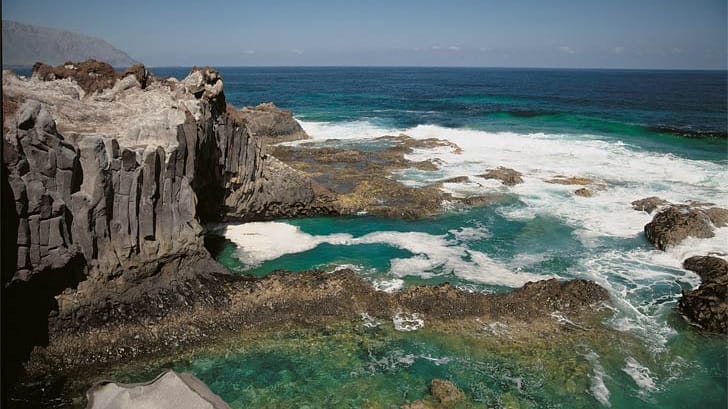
(112, 176)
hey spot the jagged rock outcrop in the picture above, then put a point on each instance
(170, 390)
(272, 124)
(507, 176)
(649, 204)
(675, 223)
(707, 305)
(112, 175)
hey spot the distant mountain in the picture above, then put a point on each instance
(24, 44)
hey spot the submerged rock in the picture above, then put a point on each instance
(445, 391)
(443, 394)
(707, 305)
(507, 176)
(570, 180)
(584, 192)
(170, 390)
(674, 224)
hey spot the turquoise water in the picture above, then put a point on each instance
(635, 133)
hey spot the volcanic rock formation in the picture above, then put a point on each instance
(112, 175)
(707, 305)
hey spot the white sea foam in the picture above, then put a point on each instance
(407, 321)
(641, 376)
(628, 173)
(388, 286)
(262, 241)
(361, 129)
(598, 388)
(369, 321)
(432, 254)
(469, 234)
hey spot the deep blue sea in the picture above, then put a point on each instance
(635, 133)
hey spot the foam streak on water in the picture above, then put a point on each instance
(621, 173)
(432, 255)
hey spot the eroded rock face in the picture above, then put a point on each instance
(649, 204)
(112, 174)
(44, 173)
(707, 305)
(674, 224)
(272, 124)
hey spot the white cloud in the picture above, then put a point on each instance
(297, 51)
(249, 52)
(453, 48)
(618, 50)
(436, 47)
(677, 50)
(567, 50)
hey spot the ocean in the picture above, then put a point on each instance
(641, 133)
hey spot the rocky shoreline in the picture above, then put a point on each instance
(205, 309)
(113, 174)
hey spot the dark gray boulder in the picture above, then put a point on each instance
(649, 204)
(707, 305)
(674, 224)
(272, 124)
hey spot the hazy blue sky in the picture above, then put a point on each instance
(555, 33)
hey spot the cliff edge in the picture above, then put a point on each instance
(108, 178)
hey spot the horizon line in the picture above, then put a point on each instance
(23, 66)
(444, 66)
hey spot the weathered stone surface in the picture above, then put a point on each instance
(185, 300)
(40, 207)
(272, 124)
(170, 390)
(120, 181)
(707, 305)
(361, 181)
(674, 224)
(507, 176)
(649, 204)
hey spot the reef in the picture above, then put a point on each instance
(108, 179)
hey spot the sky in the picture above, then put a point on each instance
(667, 34)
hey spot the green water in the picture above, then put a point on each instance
(354, 366)
(360, 367)
(640, 133)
